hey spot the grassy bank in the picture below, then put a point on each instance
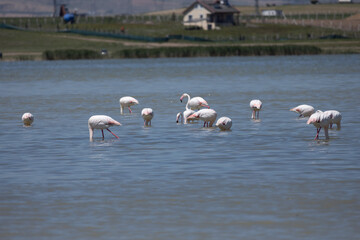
(71, 54)
(250, 35)
(216, 51)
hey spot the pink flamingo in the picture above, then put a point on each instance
(320, 120)
(206, 115)
(224, 123)
(127, 102)
(194, 103)
(335, 118)
(147, 114)
(101, 122)
(304, 110)
(27, 119)
(255, 105)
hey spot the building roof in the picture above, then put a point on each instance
(214, 6)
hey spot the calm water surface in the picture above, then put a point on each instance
(264, 179)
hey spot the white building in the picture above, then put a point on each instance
(271, 13)
(209, 15)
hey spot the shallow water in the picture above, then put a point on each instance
(265, 179)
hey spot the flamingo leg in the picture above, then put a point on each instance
(317, 133)
(326, 129)
(102, 131)
(129, 109)
(204, 123)
(111, 133)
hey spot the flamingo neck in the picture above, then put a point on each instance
(91, 133)
(187, 104)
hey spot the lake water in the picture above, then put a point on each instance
(266, 179)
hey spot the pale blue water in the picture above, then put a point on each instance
(265, 179)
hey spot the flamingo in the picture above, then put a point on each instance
(101, 122)
(224, 123)
(320, 120)
(185, 114)
(127, 102)
(255, 105)
(335, 118)
(206, 115)
(184, 117)
(147, 114)
(194, 103)
(304, 110)
(27, 119)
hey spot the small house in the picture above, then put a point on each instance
(209, 15)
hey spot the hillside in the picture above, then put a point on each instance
(11, 8)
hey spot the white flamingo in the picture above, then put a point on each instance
(147, 114)
(194, 103)
(27, 119)
(335, 118)
(185, 114)
(184, 117)
(320, 120)
(206, 115)
(127, 102)
(304, 110)
(224, 123)
(255, 105)
(101, 122)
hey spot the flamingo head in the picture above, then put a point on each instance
(114, 123)
(134, 101)
(178, 117)
(295, 110)
(205, 104)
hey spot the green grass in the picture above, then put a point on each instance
(24, 41)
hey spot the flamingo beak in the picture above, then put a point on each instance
(116, 123)
(205, 105)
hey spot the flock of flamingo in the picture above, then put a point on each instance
(194, 111)
(319, 118)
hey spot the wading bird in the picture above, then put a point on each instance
(255, 105)
(194, 103)
(224, 123)
(320, 120)
(127, 102)
(27, 119)
(147, 114)
(304, 110)
(101, 122)
(206, 115)
(335, 118)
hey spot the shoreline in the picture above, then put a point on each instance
(166, 51)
